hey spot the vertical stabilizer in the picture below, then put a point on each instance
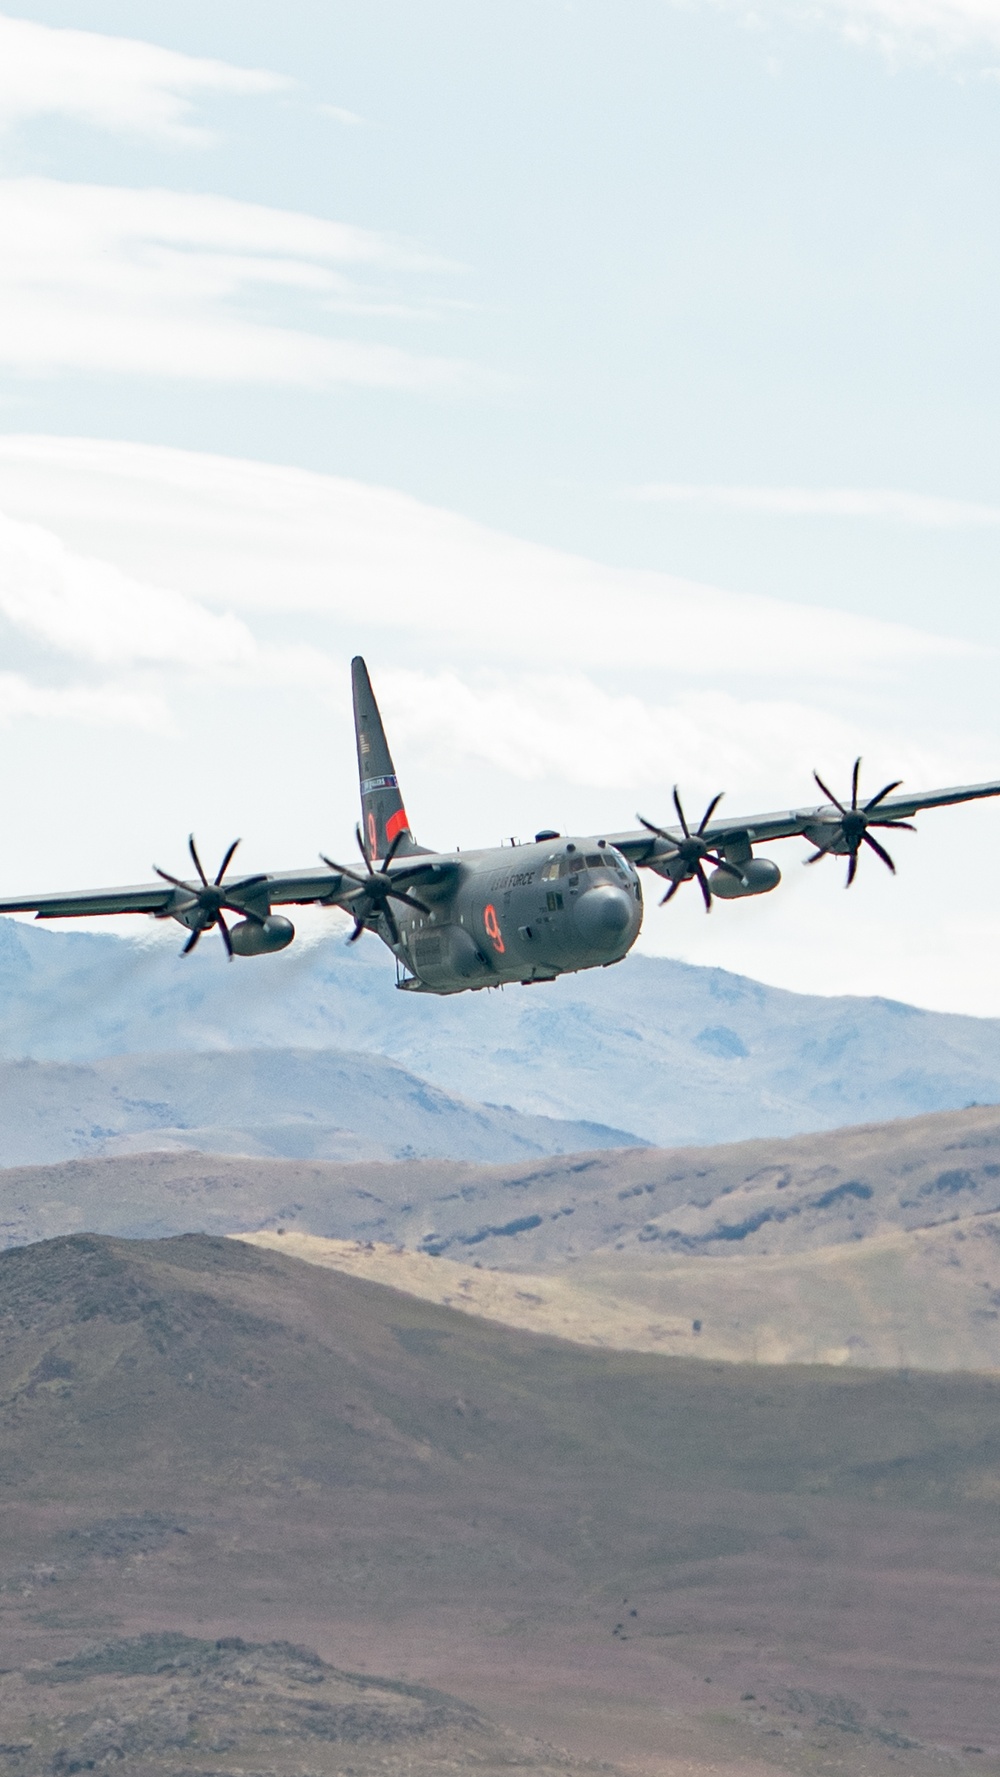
(382, 813)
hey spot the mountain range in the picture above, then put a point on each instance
(874, 1246)
(301, 1103)
(667, 1052)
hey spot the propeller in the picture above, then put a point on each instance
(693, 851)
(379, 888)
(209, 901)
(855, 822)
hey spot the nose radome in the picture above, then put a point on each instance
(603, 913)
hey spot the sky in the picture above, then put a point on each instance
(621, 379)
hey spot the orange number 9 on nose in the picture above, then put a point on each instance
(493, 932)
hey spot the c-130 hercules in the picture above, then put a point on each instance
(528, 913)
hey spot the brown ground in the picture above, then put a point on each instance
(196, 1436)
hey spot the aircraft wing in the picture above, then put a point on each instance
(283, 888)
(646, 848)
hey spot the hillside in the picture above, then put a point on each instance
(302, 1103)
(928, 1299)
(876, 1246)
(674, 1054)
(222, 1441)
(765, 1197)
(172, 1705)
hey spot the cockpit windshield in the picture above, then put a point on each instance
(573, 863)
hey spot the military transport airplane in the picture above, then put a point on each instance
(525, 913)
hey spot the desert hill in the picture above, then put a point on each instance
(672, 1053)
(173, 1704)
(195, 1432)
(765, 1197)
(876, 1246)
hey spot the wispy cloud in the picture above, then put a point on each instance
(133, 644)
(91, 610)
(331, 548)
(115, 83)
(923, 28)
(891, 505)
(564, 725)
(109, 279)
(339, 115)
(949, 26)
(99, 706)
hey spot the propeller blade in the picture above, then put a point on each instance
(703, 885)
(256, 919)
(823, 852)
(227, 860)
(680, 814)
(224, 930)
(852, 869)
(413, 875)
(176, 881)
(659, 831)
(363, 849)
(193, 849)
(407, 900)
(882, 795)
(724, 865)
(393, 849)
(710, 810)
(829, 793)
(359, 926)
(390, 920)
(342, 870)
(671, 892)
(880, 849)
(897, 826)
(854, 782)
(192, 941)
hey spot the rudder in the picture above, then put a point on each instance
(383, 816)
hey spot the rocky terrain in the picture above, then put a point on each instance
(162, 1704)
(671, 1053)
(747, 1566)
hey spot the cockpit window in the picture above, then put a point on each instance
(595, 860)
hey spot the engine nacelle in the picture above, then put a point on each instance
(250, 939)
(758, 876)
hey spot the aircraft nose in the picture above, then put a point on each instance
(603, 913)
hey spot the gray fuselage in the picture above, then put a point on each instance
(524, 913)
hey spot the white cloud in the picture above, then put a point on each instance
(289, 540)
(952, 26)
(81, 612)
(91, 610)
(116, 83)
(100, 278)
(923, 28)
(100, 705)
(567, 726)
(339, 115)
(891, 505)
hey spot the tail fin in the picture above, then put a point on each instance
(382, 813)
